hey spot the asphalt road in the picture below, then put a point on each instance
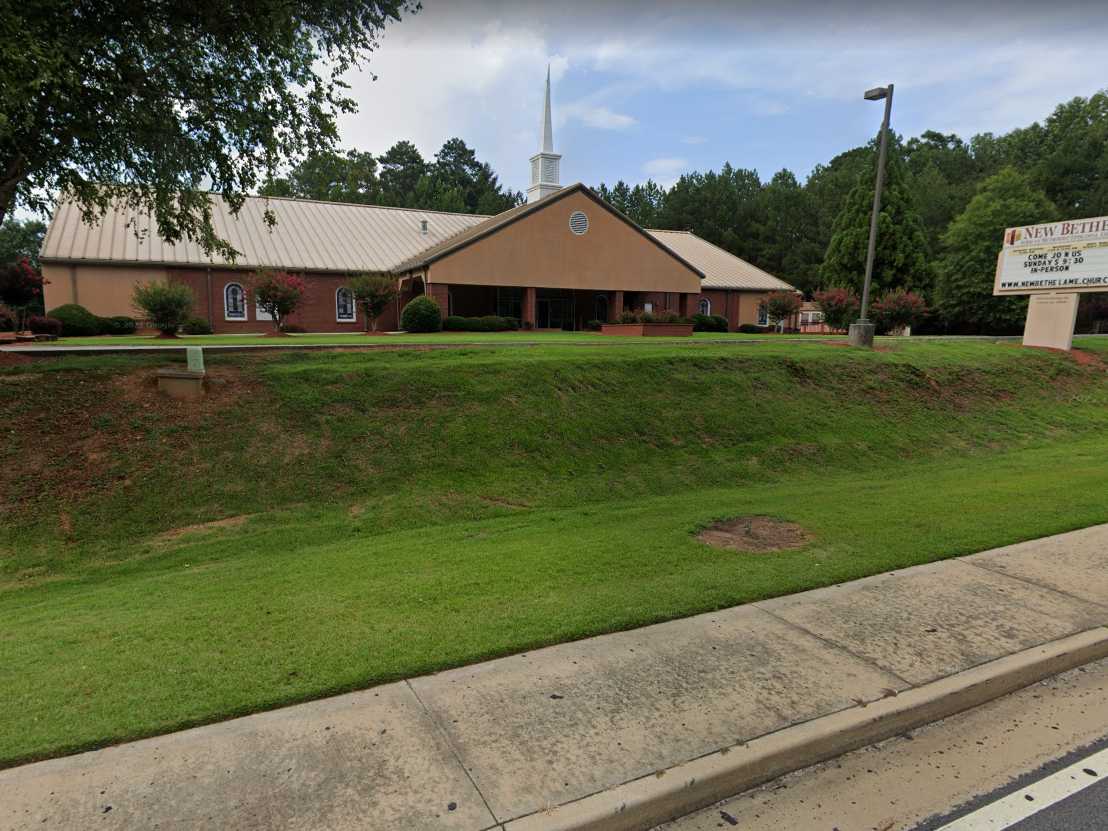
(1086, 810)
(1070, 792)
(946, 771)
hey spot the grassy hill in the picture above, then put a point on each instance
(328, 521)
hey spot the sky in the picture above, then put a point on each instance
(652, 90)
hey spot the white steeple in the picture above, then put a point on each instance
(545, 163)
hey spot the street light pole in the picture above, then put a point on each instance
(861, 332)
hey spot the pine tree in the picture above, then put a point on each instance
(902, 258)
(967, 267)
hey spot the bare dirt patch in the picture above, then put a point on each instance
(758, 534)
(1085, 358)
(227, 522)
(13, 359)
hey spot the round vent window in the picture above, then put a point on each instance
(578, 222)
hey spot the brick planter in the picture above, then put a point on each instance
(668, 330)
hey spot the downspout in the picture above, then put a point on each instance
(211, 320)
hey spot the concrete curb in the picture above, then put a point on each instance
(654, 799)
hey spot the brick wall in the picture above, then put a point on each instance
(317, 314)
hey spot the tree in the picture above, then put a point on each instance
(21, 290)
(113, 103)
(781, 305)
(785, 217)
(166, 305)
(278, 294)
(967, 266)
(402, 167)
(373, 293)
(902, 257)
(840, 307)
(332, 177)
(21, 239)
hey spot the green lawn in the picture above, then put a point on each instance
(409, 511)
(361, 339)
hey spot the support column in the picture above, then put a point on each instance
(440, 293)
(684, 305)
(615, 308)
(528, 310)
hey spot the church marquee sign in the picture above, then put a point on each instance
(1069, 256)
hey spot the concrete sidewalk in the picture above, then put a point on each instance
(618, 731)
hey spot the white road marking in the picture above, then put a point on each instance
(1035, 797)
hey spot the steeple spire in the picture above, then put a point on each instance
(547, 128)
(545, 163)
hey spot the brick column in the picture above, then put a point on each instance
(615, 308)
(440, 293)
(528, 310)
(685, 304)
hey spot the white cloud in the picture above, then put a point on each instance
(665, 171)
(475, 70)
(599, 117)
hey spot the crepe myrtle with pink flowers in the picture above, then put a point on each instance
(278, 294)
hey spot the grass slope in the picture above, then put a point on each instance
(396, 513)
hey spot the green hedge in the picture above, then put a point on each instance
(421, 315)
(489, 323)
(709, 323)
(117, 325)
(77, 321)
(197, 326)
(751, 329)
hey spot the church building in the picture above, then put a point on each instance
(563, 258)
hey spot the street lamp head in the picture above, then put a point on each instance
(876, 94)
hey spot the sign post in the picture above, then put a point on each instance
(1054, 263)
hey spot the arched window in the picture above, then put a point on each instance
(705, 306)
(763, 315)
(345, 310)
(234, 302)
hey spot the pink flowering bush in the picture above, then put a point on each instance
(279, 294)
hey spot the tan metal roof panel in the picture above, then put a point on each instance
(309, 235)
(722, 269)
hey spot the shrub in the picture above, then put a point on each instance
(594, 325)
(781, 305)
(628, 316)
(7, 320)
(293, 329)
(709, 323)
(197, 326)
(373, 293)
(279, 294)
(489, 323)
(117, 325)
(77, 321)
(166, 305)
(840, 307)
(44, 325)
(898, 308)
(21, 289)
(752, 329)
(421, 315)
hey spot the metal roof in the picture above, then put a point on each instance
(722, 269)
(309, 235)
(312, 235)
